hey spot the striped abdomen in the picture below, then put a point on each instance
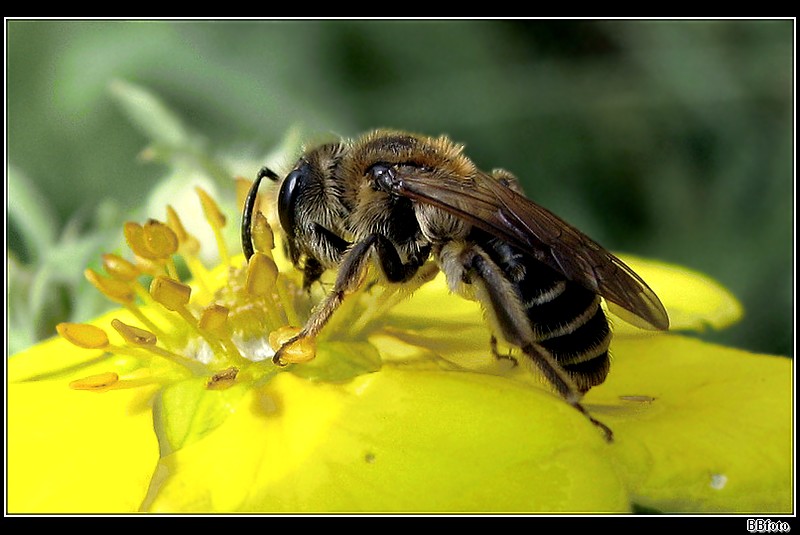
(566, 318)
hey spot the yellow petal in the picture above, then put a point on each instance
(394, 441)
(72, 451)
(50, 358)
(693, 300)
(57, 358)
(433, 303)
(75, 450)
(700, 427)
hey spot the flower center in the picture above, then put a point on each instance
(229, 319)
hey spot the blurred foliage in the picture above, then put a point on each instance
(671, 139)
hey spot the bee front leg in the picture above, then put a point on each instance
(349, 278)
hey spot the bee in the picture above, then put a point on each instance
(395, 200)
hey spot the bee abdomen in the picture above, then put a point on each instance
(583, 352)
(574, 329)
(566, 318)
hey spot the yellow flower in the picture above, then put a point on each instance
(172, 403)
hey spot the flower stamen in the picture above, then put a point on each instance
(281, 287)
(294, 350)
(174, 296)
(83, 335)
(163, 242)
(187, 244)
(134, 335)
(121, 288)
(188, 247)
(116, 290)
(264, 242)
(147, 340)
(223, 379)
(96, 383)
(263, 237)
(135, 238)
(122, 292)
(89, 336)
(170, 293)
(227, 325)
(216, 219)
(262, 274)
(214, 322)
(119, 268)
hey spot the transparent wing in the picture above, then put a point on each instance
(489, 204)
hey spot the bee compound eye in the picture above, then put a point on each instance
(287, 198)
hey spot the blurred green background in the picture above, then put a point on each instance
(669, 139)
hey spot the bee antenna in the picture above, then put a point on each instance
(269, 173)
(247, 211)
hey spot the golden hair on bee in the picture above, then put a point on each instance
(394, 147)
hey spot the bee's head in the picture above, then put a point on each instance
(292, 189)
(303, 199)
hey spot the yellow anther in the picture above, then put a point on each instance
(242, 189)
(98, 383)
(174, 222)
(281, 335)
(188, 243)
(214, 319)
(116, 290)
(134, 335)
(261, 275)
(213, 325)
(134, 235)
(83, 335)
(170, 293)
(119, 268)
(210, 208)
(148, 266)
(263, 239)
(292, 351)
(223, 379)
(216, 219)
(160, 239)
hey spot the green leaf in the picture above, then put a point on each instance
(173, 143)
(186, 411)
(150, 114)
(22, 330)
(30, 213)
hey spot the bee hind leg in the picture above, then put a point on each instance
(556, 375)
(499, 356)
(498, 296)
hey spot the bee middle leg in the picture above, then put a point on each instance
(500, 298)
(350, 277)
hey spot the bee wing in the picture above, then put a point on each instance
(489, 204)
